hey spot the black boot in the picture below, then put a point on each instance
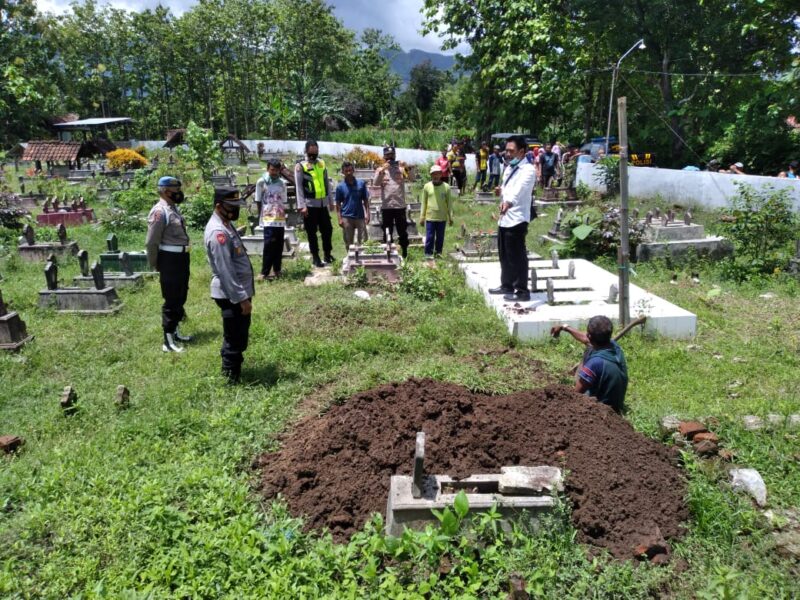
(233, 375)
(317, 262)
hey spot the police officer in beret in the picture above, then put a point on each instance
(168, 253)
(232, 284)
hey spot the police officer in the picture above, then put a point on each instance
(232, 284)
(168, 253)
(315, 201)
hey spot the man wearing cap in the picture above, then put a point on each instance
(436, 212)
(232, 285)
(391, 179)
(168, 253)
(315, 201)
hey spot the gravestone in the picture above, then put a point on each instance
(31, 250)
(69, 400)
(111, 259)
(115, 279)
(679, 239)
(378, 262)
(13, 332)
(101, 300)
(74, 213)
(122, 397)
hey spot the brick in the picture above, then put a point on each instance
(689, 429)
(706, 448)
(10, 443)
(706, 436)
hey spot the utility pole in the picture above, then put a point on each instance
(624, 253)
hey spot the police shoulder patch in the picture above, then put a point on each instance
(222, 238)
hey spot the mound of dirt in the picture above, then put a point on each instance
(625, 491)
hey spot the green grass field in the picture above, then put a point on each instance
(157, 501)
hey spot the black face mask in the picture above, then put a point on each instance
(313, 157)
(177, 197)
(233, 213)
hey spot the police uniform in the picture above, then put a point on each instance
(314, 194)
(168, 252)
(232, 283)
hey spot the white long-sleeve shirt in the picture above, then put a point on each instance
(517, 190)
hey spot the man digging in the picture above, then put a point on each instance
(603, 372)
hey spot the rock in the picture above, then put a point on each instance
(362, 294)
(122, 398)
(69, 400)
(660, 559)
(705, 436)
(669, 424)
(516, 588)
(775, 421)
(787, 544)
(750, 481)
(793, 422)
(530, 480)
(10, 443)
(651, 546)
(752, 423)
(689, 429)
(705, 448)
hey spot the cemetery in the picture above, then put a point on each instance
(401, 426)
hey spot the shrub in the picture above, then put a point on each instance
(761, 225)
(203, 151)
(198, 207)
(364, 159)
(608, 174)
(600, 235)
(124, 158)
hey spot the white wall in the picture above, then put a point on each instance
(703, 188)
(409, 155)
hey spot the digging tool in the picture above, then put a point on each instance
(640, 320)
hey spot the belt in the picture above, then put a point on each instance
(170, 248)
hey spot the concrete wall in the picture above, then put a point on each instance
(409, 155)
(703, 188)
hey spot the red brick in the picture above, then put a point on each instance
(706, 436)
(10, 443)
(705, 448)
(689, 429)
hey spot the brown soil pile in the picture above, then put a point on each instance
(335, 469)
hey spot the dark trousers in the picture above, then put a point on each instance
(434, 237)
(494, 181)
(318, 218)
(513, 257)
(394, 219)
(235, 335)
(273, 250)
(173, 273)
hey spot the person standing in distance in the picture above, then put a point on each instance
(516, 193)
(436, 212)
(315, 201)
(391, 179)
(271, 199)
(232, 284)
(168, 253)
(352, 206)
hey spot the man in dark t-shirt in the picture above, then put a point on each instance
(603, 372)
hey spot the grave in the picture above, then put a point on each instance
(111, 259)
(366, 175)
(480, 246)
(562, 195)
(13, 332)
(571, 293)
(254, 243)
(486, 198)
(513, 490)
(557, 233)
(31, 251)
(101, 299)
(61, 213)
(664, 236)
(378, 261)
(125, 278)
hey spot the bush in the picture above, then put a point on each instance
(762, 226)
(124, 158)
(198, 207)
(204, 151)
(426, 282)
(364, 159)
(600, 236)
(608, 174)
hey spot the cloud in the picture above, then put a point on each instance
(400, 18)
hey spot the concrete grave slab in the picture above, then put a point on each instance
(575, 300)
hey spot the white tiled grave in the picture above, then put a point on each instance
(576, 300)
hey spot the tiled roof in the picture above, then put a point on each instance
(51, 150)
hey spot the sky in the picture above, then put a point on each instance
(400, 18)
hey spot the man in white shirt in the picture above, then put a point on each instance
(516, 194)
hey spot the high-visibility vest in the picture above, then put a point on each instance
(315, 183)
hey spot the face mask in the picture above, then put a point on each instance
(177, 197)
(232, 212)
(313, 157)
(275, 179)
(437, 182)
(514, 161)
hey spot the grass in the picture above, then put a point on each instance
(157, 501)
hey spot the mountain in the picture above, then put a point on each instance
(403, 62)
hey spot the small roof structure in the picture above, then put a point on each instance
(231, 144)
(51, 151)
(175, 138)
(92, 124)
